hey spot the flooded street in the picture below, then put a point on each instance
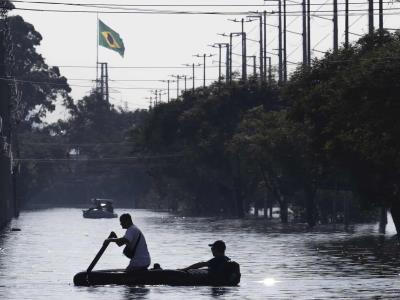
(277, 262)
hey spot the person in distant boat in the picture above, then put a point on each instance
(109, 207)
(216, 264)
(135, 244)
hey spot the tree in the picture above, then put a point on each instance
(38, 86)
(279, 149)
(350, 101)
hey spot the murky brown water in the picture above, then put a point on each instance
(277, 262)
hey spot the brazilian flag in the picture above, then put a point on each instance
(110, 39)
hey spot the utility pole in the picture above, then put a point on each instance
(204, 70)
(204, 65)
(244, 53)
(220, 45)
(185, 81)
(230, 58)
(335, 26)
(155, 92)
(103, 81)
(100, 87)
(159, 95)
(168, 82)
(280, 63)
(284, 43)
(308, 32)
(229, 55)
(244, 57)
(244, 62)
(193, 72)
(227, 64)
(193, 77)
(219, 63)
(346, 23)
(177, 83)
(370, 16)
(265, 45)
(244, 48)
(303, 4)
(261, 51)
(259, 16)
(150, 102)
(106, 83)
(381, 16)
(254, 64)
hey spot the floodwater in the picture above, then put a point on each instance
(277, 262)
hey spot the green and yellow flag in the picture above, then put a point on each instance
(110, 39)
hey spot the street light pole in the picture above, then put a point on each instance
(193, 67)
(177, 83)
(204, 65)
(220, 45)
(259, 16)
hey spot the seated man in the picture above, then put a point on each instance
(216, 264)
(136, 246)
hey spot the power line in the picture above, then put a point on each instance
(326, 13)
(135, 67)
(135, 12)
(175, 5)
(77, 85)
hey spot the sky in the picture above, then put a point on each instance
(158, 46)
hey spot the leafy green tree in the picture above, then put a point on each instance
(349, 99)
(38, 85)
(200, 126)
(279, 149)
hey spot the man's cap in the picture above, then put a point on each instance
(220, 245)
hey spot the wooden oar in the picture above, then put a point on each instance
(100, 253)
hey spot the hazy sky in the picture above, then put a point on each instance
(159, 40)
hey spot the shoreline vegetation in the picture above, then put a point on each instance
(321, 148)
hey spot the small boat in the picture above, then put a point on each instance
(102, 209)
(156, 277)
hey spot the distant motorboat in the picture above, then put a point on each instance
(102, 208)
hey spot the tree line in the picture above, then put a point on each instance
(323, 147)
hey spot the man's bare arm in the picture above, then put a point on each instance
(119, 241)
(197, 266)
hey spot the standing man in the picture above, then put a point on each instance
(135, 244)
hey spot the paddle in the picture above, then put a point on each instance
(100, 253)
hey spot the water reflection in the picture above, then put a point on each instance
(132, 293)
(373, 254)
(269, 281)
(217, 292)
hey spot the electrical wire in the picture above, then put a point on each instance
(178, 5)
(352, 12)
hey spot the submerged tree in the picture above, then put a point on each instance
(350, 101)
